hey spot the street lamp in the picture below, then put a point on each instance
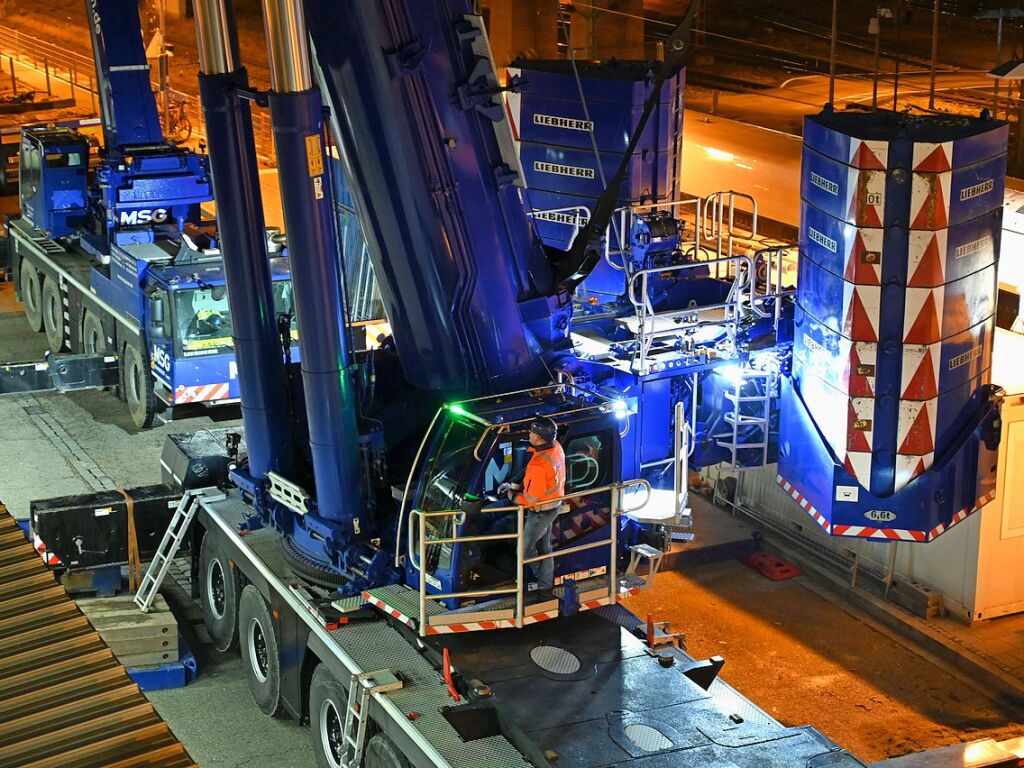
(1013, 71)
(875, 28)
(999, 14)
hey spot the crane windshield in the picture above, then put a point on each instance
(202, 318)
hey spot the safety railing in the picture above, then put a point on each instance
(684, 321)
(78, 72)
(773, 260)
(718, 221)
(616, 507)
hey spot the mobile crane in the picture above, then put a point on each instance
(114, 264)
(366, 579)
(374, 583)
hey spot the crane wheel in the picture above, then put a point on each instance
(219, 589)
(381, 752)
(260, 656)
(137, 385)
(32, 296)
(94, 339)
(54, 322)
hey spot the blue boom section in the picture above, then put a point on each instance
(127, 105)
(425, 143)
(889, 420)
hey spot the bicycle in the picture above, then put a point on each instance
(179, 126)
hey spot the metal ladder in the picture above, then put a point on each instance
(639, 553)
(169, 544)
(360, 688)
(744, 423)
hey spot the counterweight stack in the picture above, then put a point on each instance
(890, 406)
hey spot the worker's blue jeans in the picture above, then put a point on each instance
(537, 541)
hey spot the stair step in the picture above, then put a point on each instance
(646, 550)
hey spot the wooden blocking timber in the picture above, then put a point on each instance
(137, 639)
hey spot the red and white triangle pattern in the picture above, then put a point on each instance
(859, 376)
(871, 155)
(926, 258)
(860, 425)
(933, 158)
(858, 464)
(929, 200)
(915, 434)
(865, 192)
(910, 467)
(922, 315)
(860, 311)
(920, 379)
(863, 263)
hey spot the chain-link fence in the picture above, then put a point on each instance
(74, 73)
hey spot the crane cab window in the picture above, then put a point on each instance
(588, 461)
(202, 320)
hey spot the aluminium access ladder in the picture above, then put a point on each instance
(170, 543)
(361, 687)
(750, 419)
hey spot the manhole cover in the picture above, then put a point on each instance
(647, 738)
(555, 660)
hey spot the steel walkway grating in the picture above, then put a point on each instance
(66, 702)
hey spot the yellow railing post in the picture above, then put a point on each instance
(423, 576)
(519, 566)
(613, 585)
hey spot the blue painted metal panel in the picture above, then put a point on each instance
(936, 257)
(854, 195)
(855, 253)
(550, 111)
(575, 171)
(941, 199)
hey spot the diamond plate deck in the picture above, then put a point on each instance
(373, 645)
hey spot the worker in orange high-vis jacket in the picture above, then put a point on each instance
(539, 488)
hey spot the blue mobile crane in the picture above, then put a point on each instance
(114, 263)
(357, 554)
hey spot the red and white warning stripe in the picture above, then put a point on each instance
(392, 612)
(963, 514)
(868, 532)
(40, 546)
(819, 518)
(477, 626)
(201, 394)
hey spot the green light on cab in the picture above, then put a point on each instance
(457, 409)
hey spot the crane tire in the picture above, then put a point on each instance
(260, 654)
(219, 589)
(32, 296)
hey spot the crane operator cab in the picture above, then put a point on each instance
(468, 537)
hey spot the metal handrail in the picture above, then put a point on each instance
(616, 490)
